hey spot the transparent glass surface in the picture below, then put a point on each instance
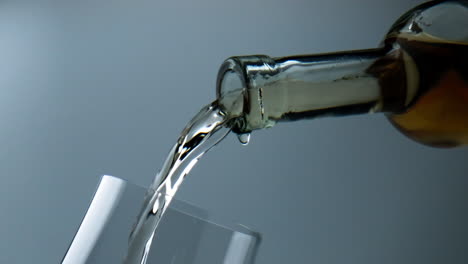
(186, 234)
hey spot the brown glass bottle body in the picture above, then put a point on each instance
(424, 83)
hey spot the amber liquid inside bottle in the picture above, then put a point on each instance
(437, 113)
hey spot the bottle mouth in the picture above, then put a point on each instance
(229, 78)
(236, 73)
(237, 89)
(231, 88)
(231, 83)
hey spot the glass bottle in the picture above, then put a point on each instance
(418, 77)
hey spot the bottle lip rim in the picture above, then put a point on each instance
(244, 66)
(231, 65)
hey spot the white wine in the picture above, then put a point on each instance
(438, 113)
(203, 132)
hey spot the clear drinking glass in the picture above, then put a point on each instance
(185, 236)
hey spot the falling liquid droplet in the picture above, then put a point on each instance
(244, 138)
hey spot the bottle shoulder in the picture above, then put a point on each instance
(434, 39)
(444, 21)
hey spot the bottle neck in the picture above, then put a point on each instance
(263, 90)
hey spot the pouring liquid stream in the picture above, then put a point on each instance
(203, 132)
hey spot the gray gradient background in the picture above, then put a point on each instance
(104, 87)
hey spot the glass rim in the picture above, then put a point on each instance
(106, 201)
